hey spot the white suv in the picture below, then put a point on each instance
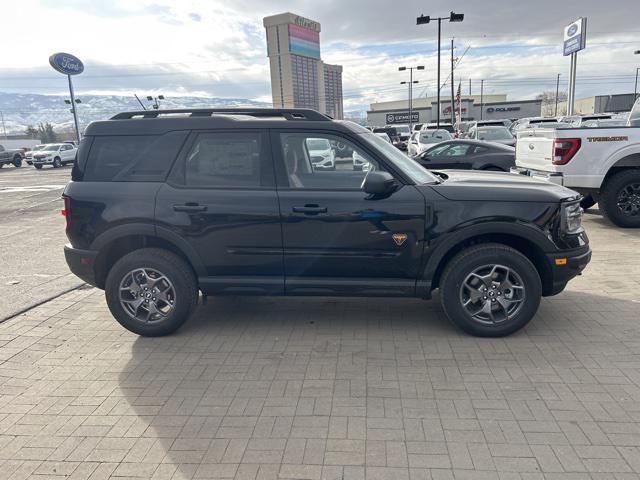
(56, 154)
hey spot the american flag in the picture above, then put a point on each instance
(458, 94)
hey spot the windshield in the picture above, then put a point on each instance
(51, 148)
(434, 136)
(403, 129)
(38, 147)
(410, 168)
(496, 133)
(318, 144)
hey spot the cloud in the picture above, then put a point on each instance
(196, 17)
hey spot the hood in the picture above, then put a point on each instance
(473, 185)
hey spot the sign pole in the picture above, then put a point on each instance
(572, 83)
(73, 109)
(410, 101)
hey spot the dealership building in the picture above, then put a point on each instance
(299, 77)
(473, 107)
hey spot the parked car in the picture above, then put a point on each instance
(394, 135)
(524, 123)
(493, 134)
(501, 122)
(427, 138)
(54, 154)
(468, 155)
(359, 162)
(605, 123)
(28, 155)
(164, 206)
(417, 127)
(412, 144)
(578, 120)
(321, 153)
(403, 132)
(603, 165)
(12, 156)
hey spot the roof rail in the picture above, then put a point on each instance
(287, 113)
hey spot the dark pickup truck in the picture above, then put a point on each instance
(8, 156)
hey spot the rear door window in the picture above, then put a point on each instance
(132, 158)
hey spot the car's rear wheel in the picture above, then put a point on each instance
(490, 290)
(620, 199)
(38, 166)
(493, 169)
(57, 163)
(17, 161)
(151, 292)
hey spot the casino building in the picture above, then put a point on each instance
(473, 107)
(299, 78)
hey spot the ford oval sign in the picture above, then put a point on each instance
(66, 63)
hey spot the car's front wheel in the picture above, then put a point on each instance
(490, 290)
(57, 163)
(151, 292)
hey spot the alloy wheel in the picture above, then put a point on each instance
(147, 295)
(492, 294)
(629, 199)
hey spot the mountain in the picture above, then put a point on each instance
(21, 110)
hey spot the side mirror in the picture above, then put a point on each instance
(379, 183)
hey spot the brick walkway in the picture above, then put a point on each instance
(260, 388)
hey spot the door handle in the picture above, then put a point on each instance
(310, 209)
(190, 208)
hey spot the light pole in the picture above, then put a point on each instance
(410, 83)
(156, 104)
(557, 93)
(423, 19)
(635, 89)
(481, 97)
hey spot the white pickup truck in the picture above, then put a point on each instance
(603, 164)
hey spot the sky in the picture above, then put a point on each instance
(217, 47)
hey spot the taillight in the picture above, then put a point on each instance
(66, 210)
(564, 149)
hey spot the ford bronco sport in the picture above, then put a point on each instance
(166, 204)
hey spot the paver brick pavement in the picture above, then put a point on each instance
(317, 388)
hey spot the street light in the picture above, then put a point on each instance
(410, 83)
(424, 19)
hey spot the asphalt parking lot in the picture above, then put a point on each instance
(32, 236)
(311, 388)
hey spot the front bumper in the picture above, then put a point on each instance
(565, 266)
(553, 177)
(81, 263)
(42, 161)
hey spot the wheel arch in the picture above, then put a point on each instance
(531, 245)
(625, 163)
(114, 245)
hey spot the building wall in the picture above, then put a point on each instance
(471, 111)
(299, 79)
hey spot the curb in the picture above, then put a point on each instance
(40, 302)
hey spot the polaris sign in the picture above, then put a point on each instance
(402, 117)
(66, 63)
(575, 36)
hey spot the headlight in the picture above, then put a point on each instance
(571, 218)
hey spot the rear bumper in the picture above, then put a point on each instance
(565, 266)
(81, 263)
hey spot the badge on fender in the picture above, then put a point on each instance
(399, 238)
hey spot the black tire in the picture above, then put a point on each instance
(178, 273)
(609, 199)
(38, 167)
(57, 163)
(492, 169)
(587, 202)
(17, 161)
(482, 257)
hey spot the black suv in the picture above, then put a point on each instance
(164, 204)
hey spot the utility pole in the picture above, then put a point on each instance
(453, 109)
(423, 19)
(3, 127)
(481, 97)
(635, 89)
(469, 87)
(557, 92)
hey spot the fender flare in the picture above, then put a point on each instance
(449, 241)
(151, 230)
